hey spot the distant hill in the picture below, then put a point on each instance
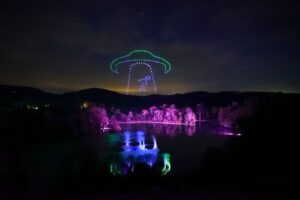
(11, 94)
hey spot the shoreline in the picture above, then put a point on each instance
(150, 122)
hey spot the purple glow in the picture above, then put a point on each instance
(227, 133)
(96, 119)
(153, 122)
(230, 133)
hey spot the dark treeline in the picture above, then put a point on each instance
(263, 159)
(89, 111)
(20, 95)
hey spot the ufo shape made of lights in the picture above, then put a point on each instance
(140, 56)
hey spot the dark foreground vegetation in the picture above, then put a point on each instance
(261, 164)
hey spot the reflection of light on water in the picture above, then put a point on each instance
(141, 139)
(154, 142)
(167, 164)
(228, 133)
(114, 169)
(190, 130)
(136, 150)
(127, 138)
(160, 128)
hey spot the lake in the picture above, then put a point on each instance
(175, 147)
(140, 149)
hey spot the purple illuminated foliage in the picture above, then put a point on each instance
(95, 119)
(165, 115)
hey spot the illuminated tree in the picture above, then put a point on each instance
(157, 117)
(114, 124)
(190, 117)
(145, 114)
(129, 116)
(98, 119)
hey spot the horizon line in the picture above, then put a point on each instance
(157, 94)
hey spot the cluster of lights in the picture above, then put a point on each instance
(151, 72)
(85, 105)
(139, 139)
(167, 69)
(154, 59)
(29, 107)
(229, 133)
(136, 150)
(140, 57)
(114, 169)
(143, 83)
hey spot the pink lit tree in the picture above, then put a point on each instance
(130, 116)
(98, 119)
(157, 116)
(189, 117)
(114, 124)
(173, 112)
(144, 114)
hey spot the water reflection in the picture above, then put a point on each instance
(175, 130)
(137, 147)
(166, 129)
(167, 165)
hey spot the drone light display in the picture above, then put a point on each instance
(140, 58)
(143, 83)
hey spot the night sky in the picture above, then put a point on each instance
(213, 46)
